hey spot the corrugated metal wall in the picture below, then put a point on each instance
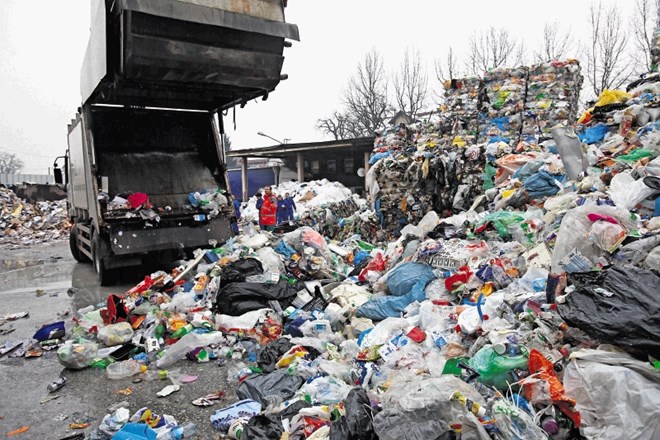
(17, 179)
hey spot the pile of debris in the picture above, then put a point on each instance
(485, 128)
(490, 318)
(24, 224)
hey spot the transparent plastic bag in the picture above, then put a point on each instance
(115, 334)
(77, 355)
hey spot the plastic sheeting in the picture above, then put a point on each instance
(617, 396)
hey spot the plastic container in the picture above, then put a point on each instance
(124, 369)
(495, 369)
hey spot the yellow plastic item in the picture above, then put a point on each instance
(459, 142)
(508, 193)
(608, 97)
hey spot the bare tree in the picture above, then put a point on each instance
(449, 70)
(366, 97)
(10, 163)
(339, 126)
(411, 84)
(556, 43)
(607, 66)
(642, 24)
(492, 49)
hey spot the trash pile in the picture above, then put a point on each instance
(24, 224)
(328, 207)
(485, 129)
(526, 309)
(209, 203)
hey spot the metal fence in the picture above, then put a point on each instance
(17, 179)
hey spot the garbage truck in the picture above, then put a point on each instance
(145, 167)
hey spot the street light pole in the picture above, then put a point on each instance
(270, 137)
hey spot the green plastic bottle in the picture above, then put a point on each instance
(182, 331)
(495, 369)
(160, 331)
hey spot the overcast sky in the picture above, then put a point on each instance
(42, 44)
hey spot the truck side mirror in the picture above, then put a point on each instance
(57, 172)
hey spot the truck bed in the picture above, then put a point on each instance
(198, 54)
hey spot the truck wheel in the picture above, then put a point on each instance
(73, 245)
(104, 276)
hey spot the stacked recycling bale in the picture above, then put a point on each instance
(444, 167)
(458, 123)
(501, 113)
(24, 224)
(551, 98)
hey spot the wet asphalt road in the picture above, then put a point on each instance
(87, 395)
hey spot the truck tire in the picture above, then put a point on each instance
(104, 276)
(73, 245)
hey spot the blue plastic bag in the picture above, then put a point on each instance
(542, 184)
(135, 431)
(594, 134)
(402, 278)
(391, 306)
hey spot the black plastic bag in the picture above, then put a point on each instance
(357, 423)
(238, 270)
(618, 306)
(270, 354)
(277, 383)
(238, 298)
(263, 427)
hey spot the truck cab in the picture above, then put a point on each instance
(156, 77)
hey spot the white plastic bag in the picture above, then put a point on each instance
(617, 396)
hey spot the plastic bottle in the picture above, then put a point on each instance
(182, 331)
(121, 370)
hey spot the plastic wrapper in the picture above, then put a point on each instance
(326, 390)
(187, 343)
(223, 418)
